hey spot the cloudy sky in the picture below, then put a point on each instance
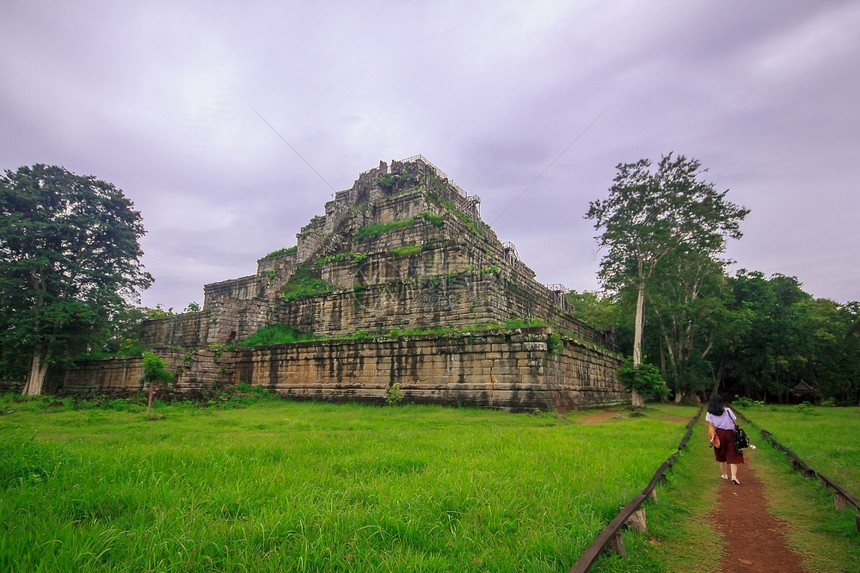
(230, 124)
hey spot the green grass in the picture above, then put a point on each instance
(476, 228)
(822, 437)
(436, 220)
(275, 334)
(305, 281)
(827, 539)
(282, 252)
(681, 537)
(376, 229)
(283, 486)
(406, 250)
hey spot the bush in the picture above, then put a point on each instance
(394, 395)
(805, 409)
(744, 402)
(646, 379)
(555, 344)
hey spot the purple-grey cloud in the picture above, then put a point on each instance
(162, 99)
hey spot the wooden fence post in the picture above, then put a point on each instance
(616, 544)
(637, 520)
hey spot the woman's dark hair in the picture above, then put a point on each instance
(715, 405)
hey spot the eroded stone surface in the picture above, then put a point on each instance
(432, 263)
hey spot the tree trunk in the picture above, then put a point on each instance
(36, 378)
(149, 402)
(721, 373)
(638, 327)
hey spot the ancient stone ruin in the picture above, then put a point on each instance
(404, 284)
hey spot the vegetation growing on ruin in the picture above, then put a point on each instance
(275, 334)
(387, 181)
(478, 229)
(436, 220)
(285, 334)
(282, 252)
(305, 281)
(355, 258)
(376, 229)
(406, 250)
(555, 345)
(397, 180)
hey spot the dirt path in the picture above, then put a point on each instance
(598, 417)
(754, 538)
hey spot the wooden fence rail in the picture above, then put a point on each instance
(632, 514)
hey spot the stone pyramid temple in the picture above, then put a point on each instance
(400, 282)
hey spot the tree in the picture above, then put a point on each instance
(154, 372)
(686, 299)
(770, 350)
(650, 215)
(69, 260)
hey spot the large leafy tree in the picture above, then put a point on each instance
(833, 333)
(651, 214)
(69, 262)
(686, 299)
(779, 335)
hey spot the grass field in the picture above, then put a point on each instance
(681, 536)
(825, 438)
(283, 486)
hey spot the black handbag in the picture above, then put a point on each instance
(741, 439)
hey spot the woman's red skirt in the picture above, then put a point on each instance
(727, 452)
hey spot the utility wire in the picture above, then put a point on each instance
(551, 163)
(294, 150)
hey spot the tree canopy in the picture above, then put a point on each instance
(69, 262)
(657, 225)
(757, 336)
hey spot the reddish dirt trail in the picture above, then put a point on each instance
(598, 417)
(754, 539)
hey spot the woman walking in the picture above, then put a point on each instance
(721, 432)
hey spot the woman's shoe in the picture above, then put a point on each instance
(724, 476)
(735, 481)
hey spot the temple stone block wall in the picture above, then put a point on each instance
(196, 372)
(404, 249)
(506, 370)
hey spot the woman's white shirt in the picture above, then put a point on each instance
(724, 422)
